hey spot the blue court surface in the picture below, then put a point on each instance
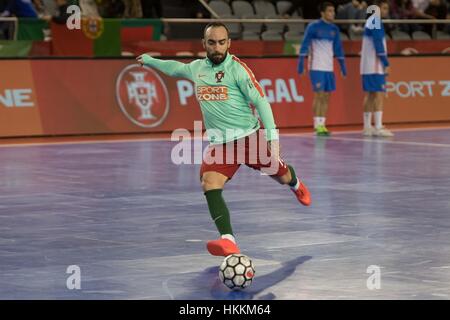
(136, 224)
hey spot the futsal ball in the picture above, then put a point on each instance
(237, 271)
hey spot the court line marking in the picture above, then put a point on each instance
(33, 144)
(311, 133)
(165, 287)
(125, 140)
(313, 244)
(412, 143)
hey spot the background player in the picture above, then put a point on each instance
(322, 41)
(234, 86)
(374, 67)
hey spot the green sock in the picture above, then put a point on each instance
(219, 211)
(294, 177)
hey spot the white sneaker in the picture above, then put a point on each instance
(368, 132)
(383, 132)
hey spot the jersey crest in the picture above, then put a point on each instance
(219, 76)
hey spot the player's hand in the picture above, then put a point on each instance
(387, 70)
(344, 76)
(142, 59)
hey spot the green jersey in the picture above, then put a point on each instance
(224, 92)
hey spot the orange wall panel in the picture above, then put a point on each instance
(84, 96)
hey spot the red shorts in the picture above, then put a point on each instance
(251, 151)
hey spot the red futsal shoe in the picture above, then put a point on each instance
(222, 247)
(303, 194)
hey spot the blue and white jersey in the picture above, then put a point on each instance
(374, 50)
(320, 44)
(20, 8)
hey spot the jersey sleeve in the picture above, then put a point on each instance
(304, 49)
(170, 67)
(254, 94)
(339, 51)
(378, 36)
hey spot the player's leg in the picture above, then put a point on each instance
(319, 113)
(317, 82)
(316, 109)
(369, 103)
(213, 179)
(290, 178)
(321, 129)
(380, 130)
(277, 169)
(213, 184)
(329, 85)
(325, 104)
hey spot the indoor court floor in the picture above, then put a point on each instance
(136, 224)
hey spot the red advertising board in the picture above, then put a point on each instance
(57, 97)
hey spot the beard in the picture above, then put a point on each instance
(217, 58)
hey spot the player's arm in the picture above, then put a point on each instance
(378, 43)
(306, 43)
(254, 94)
(339, 52)
(170, 67)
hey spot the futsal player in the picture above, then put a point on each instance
(320, 43)
(374, 67)
(225, 86)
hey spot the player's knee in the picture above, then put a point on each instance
(372, 96)
(324, 97)
(205, 183)
(209, 182)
